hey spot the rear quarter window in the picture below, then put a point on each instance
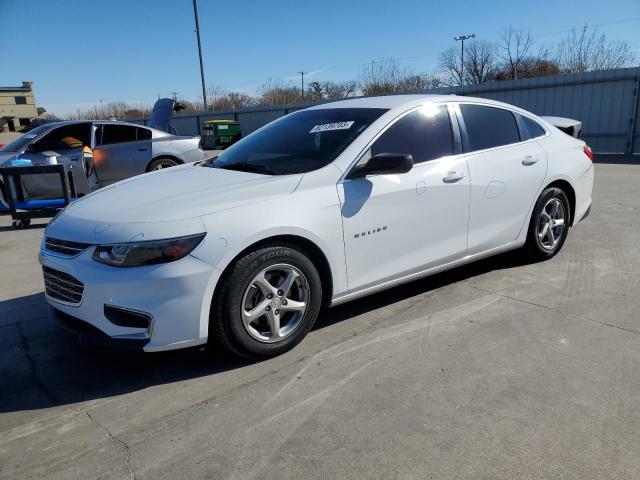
(530, 128)
(143, 134)
(488, 127)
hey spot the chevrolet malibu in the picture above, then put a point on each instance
(317, 208)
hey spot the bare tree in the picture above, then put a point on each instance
(338, 90)
(383, 77)
(222, 99)
(275, 92)
(418, 83)
(119, 110)
(330, 90)
(449, 61)
(515, 46)
(315, 91)
(587, 50)
(480, 61)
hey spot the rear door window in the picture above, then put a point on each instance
(425, 134)
(488, 127)
(118, 134)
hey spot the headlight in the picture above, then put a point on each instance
(146, 253)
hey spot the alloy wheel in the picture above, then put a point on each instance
(164, 164)
(274, 303)
(551, 225)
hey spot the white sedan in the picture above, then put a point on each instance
(317, 208)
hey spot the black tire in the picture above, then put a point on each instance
(537, 248)
(162, 162)
(226, 326)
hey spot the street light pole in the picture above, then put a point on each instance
(462, 38)
(301, 85)
(204, 90)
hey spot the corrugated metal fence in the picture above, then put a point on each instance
(605, 101)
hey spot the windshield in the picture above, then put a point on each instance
(22, 141)
(299, 142)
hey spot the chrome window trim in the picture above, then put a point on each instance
(473, 152)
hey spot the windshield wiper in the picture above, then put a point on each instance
(248, 167)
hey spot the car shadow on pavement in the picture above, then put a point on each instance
(42, 365)
(417, 287)
(9, 228)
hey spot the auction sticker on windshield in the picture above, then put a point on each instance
(331, 126)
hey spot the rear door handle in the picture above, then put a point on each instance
(453, 177)
(143, 149)
(529, 160)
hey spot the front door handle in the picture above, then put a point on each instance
(143, 149)
(529, 160)
(453, 177)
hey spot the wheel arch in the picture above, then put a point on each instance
(163, 155)
(306, 245)
(569, 191)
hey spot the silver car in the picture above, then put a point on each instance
(118, 150)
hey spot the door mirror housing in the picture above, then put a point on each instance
(383, 164)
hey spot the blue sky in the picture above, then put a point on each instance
(80, 51)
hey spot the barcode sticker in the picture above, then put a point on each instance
(331, 126)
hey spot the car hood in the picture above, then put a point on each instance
(148, 204)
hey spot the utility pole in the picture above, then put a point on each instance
(302, 85)
(204, 90)
(462, 38)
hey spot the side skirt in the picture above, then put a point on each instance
(425, 273)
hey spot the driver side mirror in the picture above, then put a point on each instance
(383, 164)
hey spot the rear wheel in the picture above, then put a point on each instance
(549, 225)
(162, 162)
(267, 303)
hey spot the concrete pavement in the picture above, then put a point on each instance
(496, 370)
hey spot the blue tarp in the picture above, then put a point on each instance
(37, 204)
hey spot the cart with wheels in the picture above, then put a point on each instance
(23, 209)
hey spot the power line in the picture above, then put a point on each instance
(589, 26)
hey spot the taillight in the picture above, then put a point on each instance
(587, 151)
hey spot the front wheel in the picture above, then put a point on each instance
(267, 303)
(549, 225)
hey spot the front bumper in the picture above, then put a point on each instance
(91, 335)
(176, 297)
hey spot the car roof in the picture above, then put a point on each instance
(404, 102)
(76, 122)
(101, 122)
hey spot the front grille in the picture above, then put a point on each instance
(62, 286)
(64, 247)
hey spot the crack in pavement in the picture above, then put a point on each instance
(127, 459)
(33, 367)
(556, 310)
